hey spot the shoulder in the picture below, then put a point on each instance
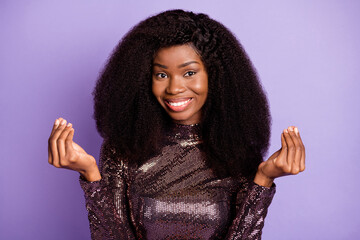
(111, 163)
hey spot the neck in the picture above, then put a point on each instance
(185, 134)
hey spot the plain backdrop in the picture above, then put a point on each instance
(307, 56)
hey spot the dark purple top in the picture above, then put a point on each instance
(173, 196)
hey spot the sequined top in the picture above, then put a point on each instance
(173, 196)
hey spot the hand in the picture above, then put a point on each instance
(289, 160)
(65, 153)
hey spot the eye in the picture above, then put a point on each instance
(161, 75)
(189, 73)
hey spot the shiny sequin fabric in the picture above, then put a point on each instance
(173, 196)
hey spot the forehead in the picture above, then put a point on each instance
(176, 55)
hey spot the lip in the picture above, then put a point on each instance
(178, 104)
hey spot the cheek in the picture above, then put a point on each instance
(200, 87)
(156, 89)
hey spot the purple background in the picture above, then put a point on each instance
(307, 57)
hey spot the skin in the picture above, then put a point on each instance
(179, 75)
(288, 160)
(63, 152)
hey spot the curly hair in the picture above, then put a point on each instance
(235, 121)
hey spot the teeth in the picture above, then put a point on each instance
(178, 103)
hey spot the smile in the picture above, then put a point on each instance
(177, 105)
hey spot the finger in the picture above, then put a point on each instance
(69, 141)
(298, 150)
(302, 161)
(299, 137)
(61, 144)
(70, 155)
(53, 143)
(50, 158)
(55, 126)
(290, 150)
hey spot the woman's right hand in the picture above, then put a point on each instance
(65, 153)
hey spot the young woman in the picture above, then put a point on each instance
(185, 124)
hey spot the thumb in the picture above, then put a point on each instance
(283, 142)
(69, 140)
(283, 150)
(275, 155)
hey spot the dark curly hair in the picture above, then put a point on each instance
(235, 119)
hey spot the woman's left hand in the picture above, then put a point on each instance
(289, 160)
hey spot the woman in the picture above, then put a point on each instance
(185, 124)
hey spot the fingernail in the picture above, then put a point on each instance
(63, 122)
(69, 125)
(296, 130)
(56, 122)
(290, 129)
(285, 131)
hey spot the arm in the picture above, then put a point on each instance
(252, 203)
(63, 152)
(256, 197)
(288, 160)
(105, 192)
(106, 199)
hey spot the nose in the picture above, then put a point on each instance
(175, 86)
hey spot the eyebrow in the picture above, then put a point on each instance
(180, 66)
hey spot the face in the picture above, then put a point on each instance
(180, 83)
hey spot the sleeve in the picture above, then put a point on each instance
(251, 208)
(106, 201)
